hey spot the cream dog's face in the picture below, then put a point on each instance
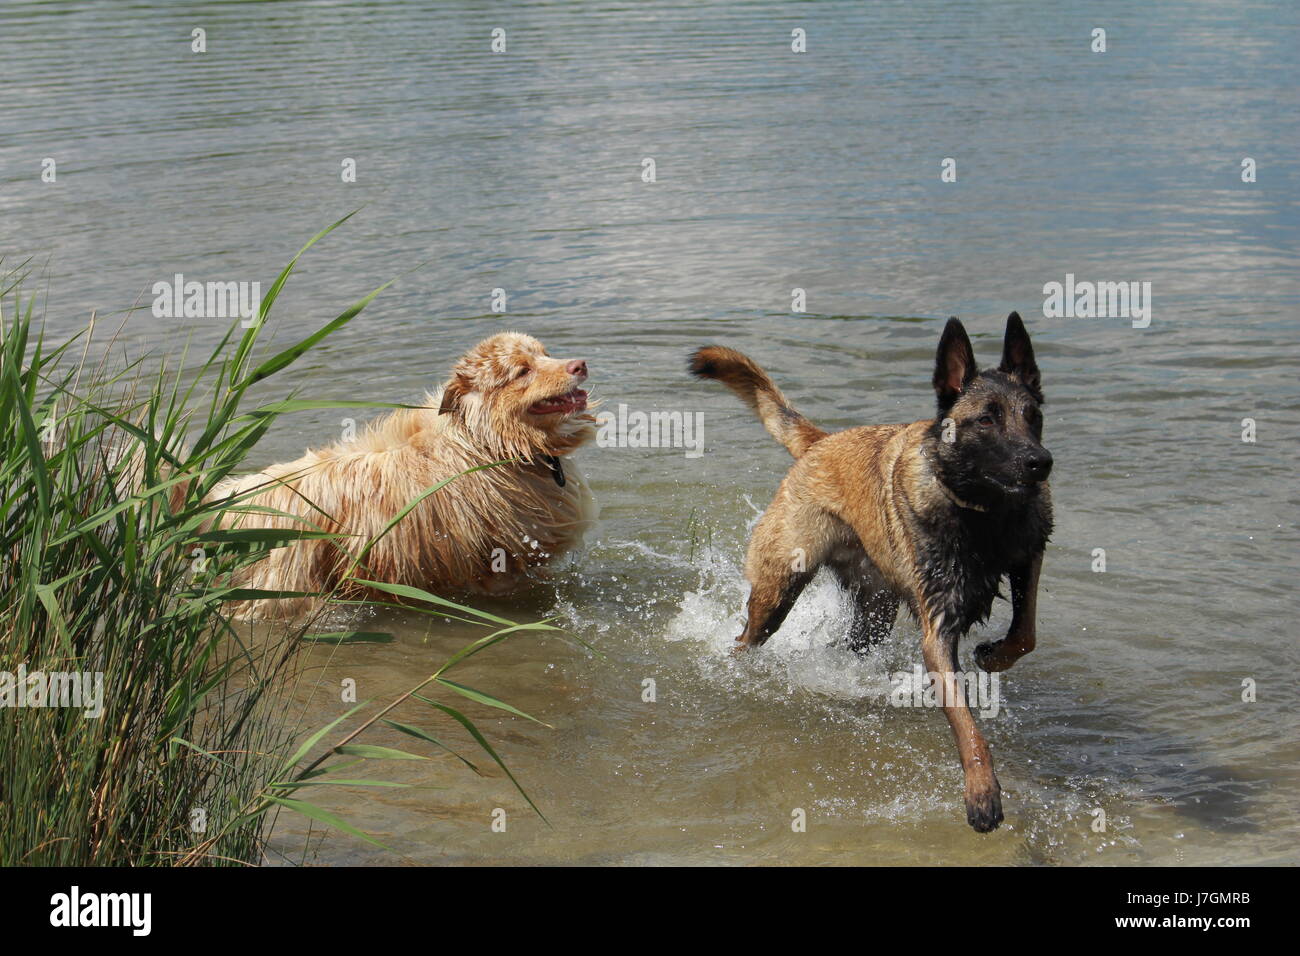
(511, 394)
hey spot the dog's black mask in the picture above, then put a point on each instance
(987, 436)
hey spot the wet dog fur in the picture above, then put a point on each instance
(932, 514)
(484, 532)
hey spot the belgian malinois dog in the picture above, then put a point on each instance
(933, 514)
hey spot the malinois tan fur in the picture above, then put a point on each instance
(931, 514)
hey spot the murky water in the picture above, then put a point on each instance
(774, 170)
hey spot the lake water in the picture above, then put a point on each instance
(774, 170)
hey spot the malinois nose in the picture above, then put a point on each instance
(577, 367)
(1038, 465)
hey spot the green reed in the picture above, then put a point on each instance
(114, 563)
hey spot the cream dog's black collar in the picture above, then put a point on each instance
(557, 469)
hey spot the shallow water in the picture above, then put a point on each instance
(775, 171)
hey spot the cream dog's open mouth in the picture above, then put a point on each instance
(566, 404)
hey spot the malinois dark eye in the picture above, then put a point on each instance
(985, 421)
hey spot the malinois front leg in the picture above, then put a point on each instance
(983, 794)
(785, 551)
(771, 596)
(1020, 639)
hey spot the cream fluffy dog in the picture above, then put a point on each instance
(484, 532)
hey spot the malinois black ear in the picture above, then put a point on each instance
(1018, 357)
(954, 363)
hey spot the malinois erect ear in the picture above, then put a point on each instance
(1018, 357)
(954, 363)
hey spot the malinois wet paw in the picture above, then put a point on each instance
(984, 810)
(992, 656)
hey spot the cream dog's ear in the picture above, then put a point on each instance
(453, 393)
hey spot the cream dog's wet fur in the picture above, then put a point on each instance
(484, 532)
